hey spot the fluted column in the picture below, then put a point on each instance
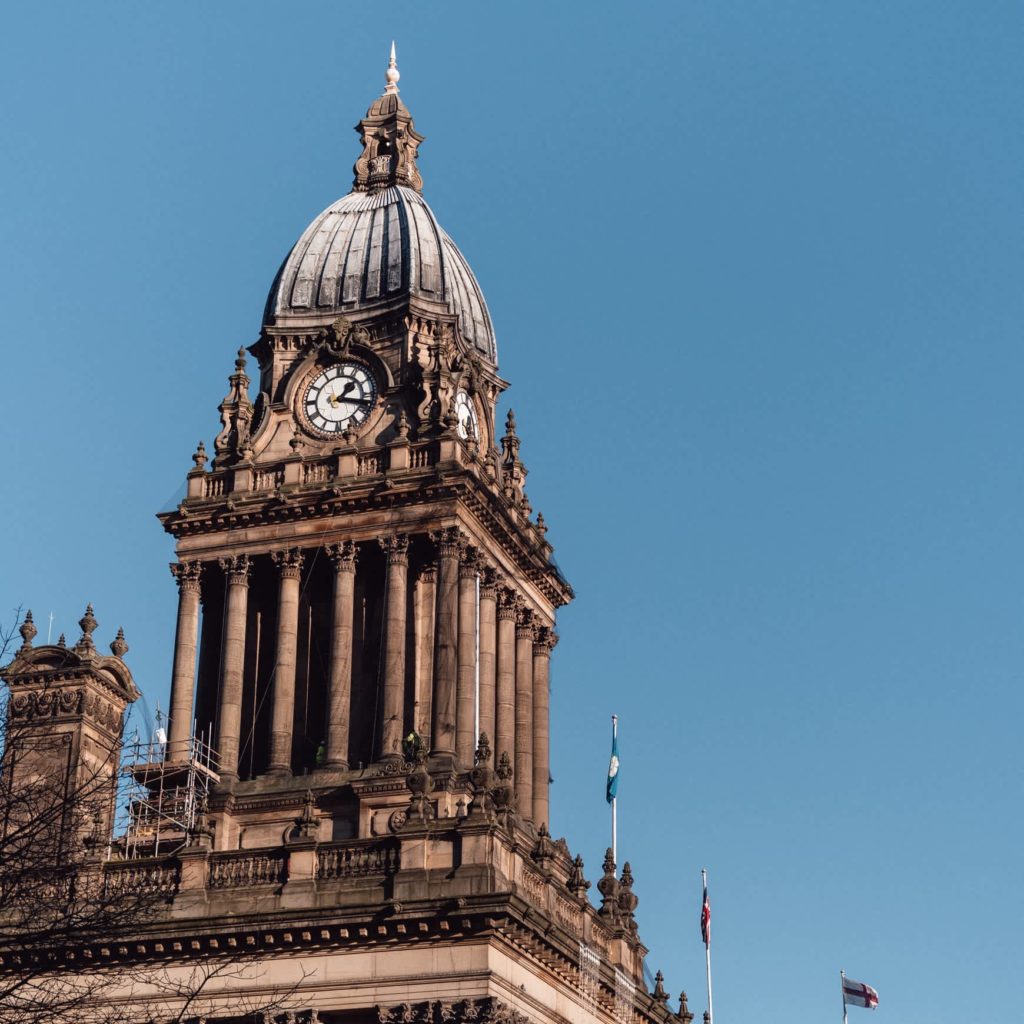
(487, 650)
(426, 597)
(183, 675)
(542, 647)
(465, 700)
(229, 717)
(339, 682)
(525, 631)
(449, 545)
(396, 548)
(289, 564)
(505, 665)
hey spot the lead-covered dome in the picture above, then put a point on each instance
(381, 245)
(371, 249)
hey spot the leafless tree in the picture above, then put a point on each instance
(59, 896)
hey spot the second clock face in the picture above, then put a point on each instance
(342, 394)
(465, 413)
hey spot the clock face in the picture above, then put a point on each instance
(465, 413)
(341, 395)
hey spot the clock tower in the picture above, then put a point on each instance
(361, 576)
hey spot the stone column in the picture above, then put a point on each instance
(289, 564)
(542, 647)
(339, 682)
(505, 664)
(449, 546)
(488, 651)
(465, 699)
(229, 717)
(525, 631)
(396, 548)
(183, 676)
(426, 597)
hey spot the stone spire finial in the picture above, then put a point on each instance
(608, 886)
(628, 900)
(684, 1010)
(119, 646)
(659, 994)
(62, 641)
(28, 632)
(87, 623)
(391, 76)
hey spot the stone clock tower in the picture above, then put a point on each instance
(365, 627)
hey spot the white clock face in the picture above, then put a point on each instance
(341, 395)
(465, 413)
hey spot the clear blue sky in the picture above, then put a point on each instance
(756, 274)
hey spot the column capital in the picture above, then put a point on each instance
(236, 568)
(428, 573)
(396, 547)
(544, 642)
(450, 541)
(289, 562)
(469, 566)
(188, 575)
(526, 628)
(489, 579)
(509, 603)
(343, 555)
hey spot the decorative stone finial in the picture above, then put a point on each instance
(576, 883)
(684, 1010)
(659, 994)
(28, 632)
(544, 850)
(295, 442)
(542, 527)
(510, 423)
(87, 623)
(391, 76)
(402, 426)
(199, 456)
(483, 750)
(62, 641)
(119, 646)
(608, 886)
(628, 900)
(240, 360)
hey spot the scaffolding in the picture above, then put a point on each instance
(160, 797)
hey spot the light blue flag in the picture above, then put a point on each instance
(613, 771)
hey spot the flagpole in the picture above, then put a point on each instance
(707, 953)
(842, 986)
(615, 831)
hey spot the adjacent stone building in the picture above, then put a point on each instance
(365, 628)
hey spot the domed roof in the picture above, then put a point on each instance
(371, 249)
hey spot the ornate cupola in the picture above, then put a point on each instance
(389, 141)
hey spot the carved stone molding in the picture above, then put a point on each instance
(344, 556)
(237, 569)
(289, 562)
(464, 1011)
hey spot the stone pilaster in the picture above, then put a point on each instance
(183, 677)
(525, 632)
(449, 547)
(542, 647)
(289, 564)
(396, 548)
(505, 670)
(488, 649)
(339, 686)
(236, 570)
(425, 603)
(465, 699)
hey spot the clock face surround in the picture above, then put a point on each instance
(468, 426)
(342, 394)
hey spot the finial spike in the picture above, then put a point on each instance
(391, 76)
